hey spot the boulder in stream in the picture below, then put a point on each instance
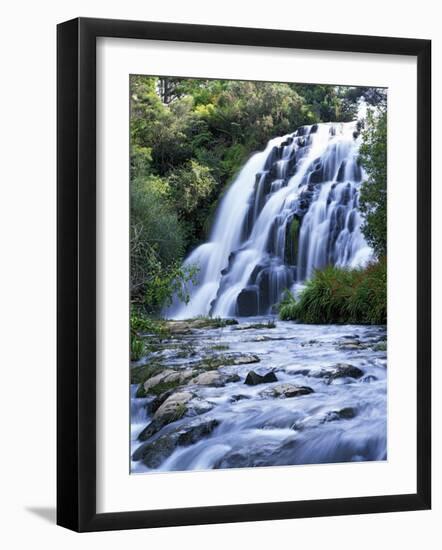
(253, 378)
(153, 453)
(173, 408)
(287, 390)
(341, 370)
(214, 378)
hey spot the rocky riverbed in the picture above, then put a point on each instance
(259, 392)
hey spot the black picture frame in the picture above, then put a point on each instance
(77, 287)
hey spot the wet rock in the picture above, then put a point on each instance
(188, 326)
(287, 390)
(213, 362)
(257, 326)
(298, 371)
(173, 408)
(153, 453)
(369, 378)
(253, 378)
(344, 414)
(239, 397)
(317, 176)
(140, 373)
(340, 370)
(350, 347)
(194, 432)
(245, 359)
(344, 370)
(380, 346)
(198, 406)
(247, 303)
(156, 403)
(211, 378)
(167, 377)
(350, 344)
(214, 379)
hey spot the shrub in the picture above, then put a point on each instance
(136, 347)
(336, 295)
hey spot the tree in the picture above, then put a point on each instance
(373, 195)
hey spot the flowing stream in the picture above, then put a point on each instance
(344, 419)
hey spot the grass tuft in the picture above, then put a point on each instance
(337, 296)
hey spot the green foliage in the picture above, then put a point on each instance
(136, 347)
(189, 137)
(141, 324)
(336, 295)
(139, 327)
(373, 195)
(330, 103)
(156, 246)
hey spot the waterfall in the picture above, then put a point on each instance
(293, 208)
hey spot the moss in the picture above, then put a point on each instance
(179, 412)
(292, 241)
(381, 346)
(140, 374)
(163, 387)
(186, 326)
(186, 350)
(141, 392)
(269, 325)
(214, 322)
(219, 347)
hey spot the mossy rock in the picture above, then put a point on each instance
(187, 326)
(173, 408)
(140, 374)
(292, 241)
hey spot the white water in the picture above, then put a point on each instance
(255, 430)
(311, 175)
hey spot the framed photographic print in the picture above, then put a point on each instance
(243, 274)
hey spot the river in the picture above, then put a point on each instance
(342, 419)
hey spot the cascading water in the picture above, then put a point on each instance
(292, 209)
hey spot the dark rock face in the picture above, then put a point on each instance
(247, 303)
(317, 176)
(238, 397)
(341, 172)
(156, 403)
(151, 429)
(297, 391)
(172, 409)
(287, 390)
(193, 433)
(153, 453)
(253, 378)
(342, 370)
(346, 413)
